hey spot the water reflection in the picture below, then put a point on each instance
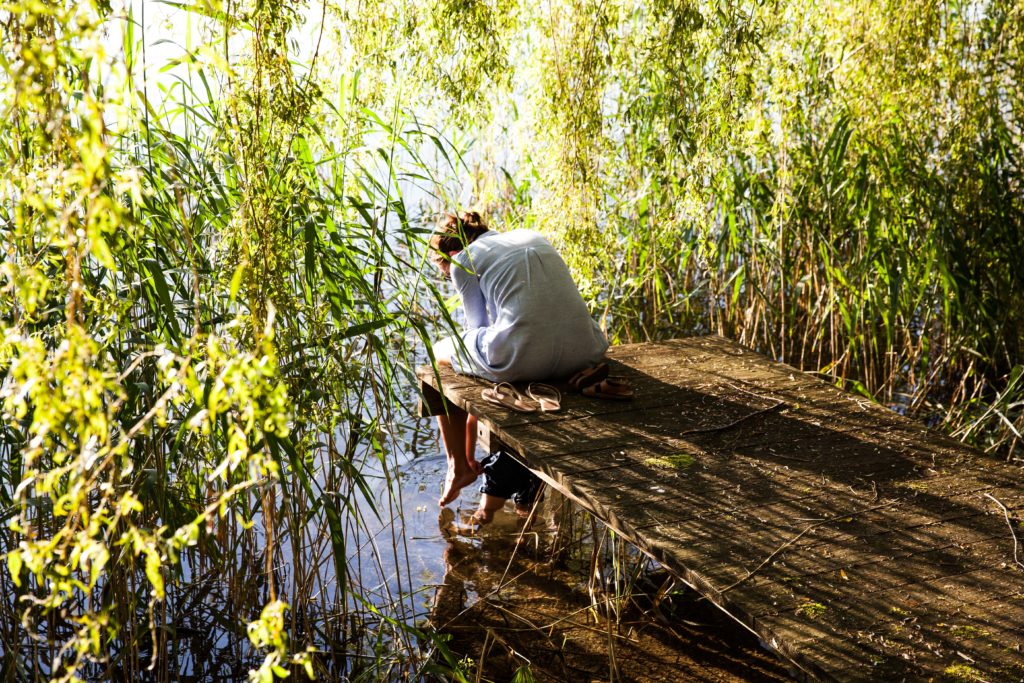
(562, 599)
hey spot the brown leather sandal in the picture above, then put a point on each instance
(589, 376)
(611, 388)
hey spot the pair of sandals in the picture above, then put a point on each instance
(595, 383)
(539, 397)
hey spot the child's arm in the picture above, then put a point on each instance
(467, 285)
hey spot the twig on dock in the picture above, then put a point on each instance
(1009, 522)
(720, 428)
(771, 558)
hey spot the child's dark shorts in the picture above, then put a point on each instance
(504, 477)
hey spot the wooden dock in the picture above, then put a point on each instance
(855, 542)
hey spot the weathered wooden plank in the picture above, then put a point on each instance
(432, 401)
(883, 618)
(892, 629)
(842, 577)
(771, 491)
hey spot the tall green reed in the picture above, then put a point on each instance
(836, 188)
(212, 302)
(208, 289)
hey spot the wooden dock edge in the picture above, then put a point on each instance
(809, 670)
(433, 403)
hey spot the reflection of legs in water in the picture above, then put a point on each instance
(458, 432)
(450, 598)
(472, 564)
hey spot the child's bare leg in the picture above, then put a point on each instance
(471, 444)
(458, 432)
(488, 506)
(454, 434)
(523, 508)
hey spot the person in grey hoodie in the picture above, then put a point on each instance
(525, 321)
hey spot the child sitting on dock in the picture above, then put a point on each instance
(525, 321)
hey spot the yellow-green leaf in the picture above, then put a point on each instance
(153, 573)
(14, 564)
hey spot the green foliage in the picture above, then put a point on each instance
(835, 188)
(208, 305)
(269, 632)
(962, 673)
(676, 461)
(811, 610)
(452, 54)
(523, 675)
(209, 282)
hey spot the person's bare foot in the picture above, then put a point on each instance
(453, 485)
